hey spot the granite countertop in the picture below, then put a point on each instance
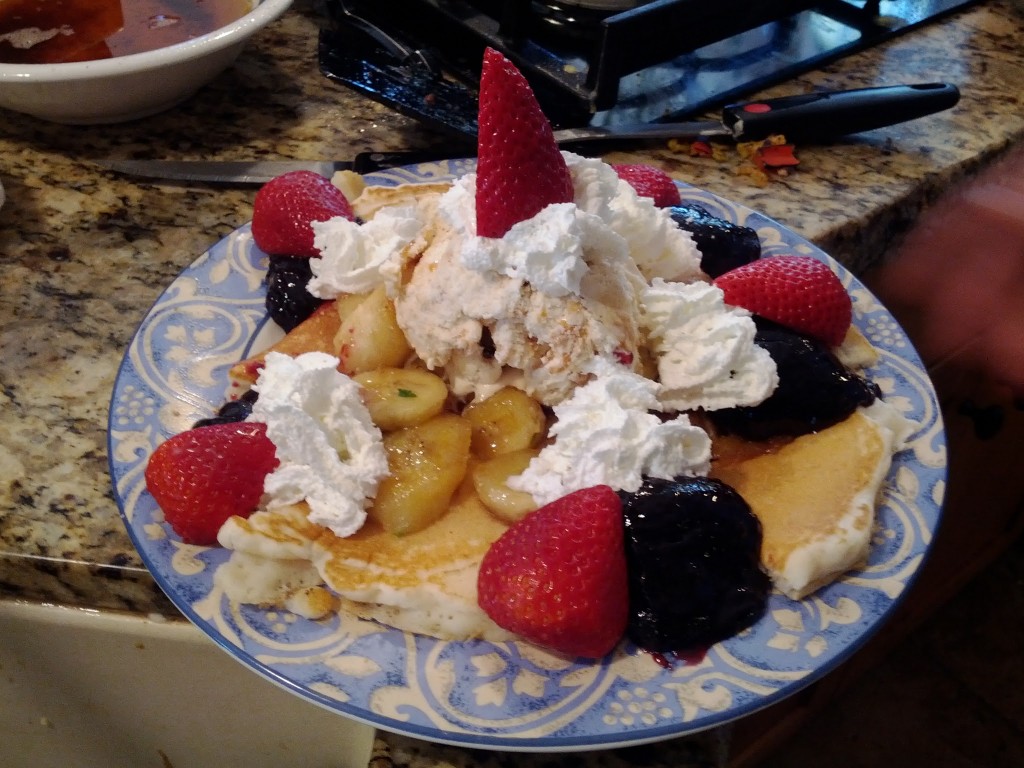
(85, 252)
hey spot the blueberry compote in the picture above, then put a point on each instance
(815, 390)
(232, 411)
(693, 552)
(723, 245)
(288, 302)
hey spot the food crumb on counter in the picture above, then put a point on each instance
(761, 162)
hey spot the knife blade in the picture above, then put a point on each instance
(260, 171)
(814, 117)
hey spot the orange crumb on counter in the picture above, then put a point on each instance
(762, 161)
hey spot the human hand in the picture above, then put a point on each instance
(956, 283)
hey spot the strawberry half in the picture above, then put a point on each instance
(798, 292)
(520, 169)
(651, 182)
(558, 577)
(203, 476)
(285, 207)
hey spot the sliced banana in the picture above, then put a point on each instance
(490, 481)
(402, 397)
(509, 420)
(428, 463)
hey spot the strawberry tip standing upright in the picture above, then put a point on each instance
(520, 169)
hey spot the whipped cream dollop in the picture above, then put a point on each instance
(704, 348)
(530, 309)
(546, 251)
(609, 433)
(356, 258)
(330, 452)
(552, 250)
(656, 244)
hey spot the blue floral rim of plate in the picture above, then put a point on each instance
(507, 696)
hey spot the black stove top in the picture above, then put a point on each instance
(662, 60)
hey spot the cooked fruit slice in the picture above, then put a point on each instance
(315, 334)
(351, 185)
(490, 481)
(346, 304)
(427, 463)
(402, 397)
(369, 337)
(509, 420)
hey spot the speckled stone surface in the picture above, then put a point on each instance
(84, 253)
(704, 750)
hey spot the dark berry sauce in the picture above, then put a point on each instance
(288, 302)
(691, 657)
(815, 390)
(693, 552)
(232, 411)
(723, 245)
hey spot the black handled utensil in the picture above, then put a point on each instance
(814, 117)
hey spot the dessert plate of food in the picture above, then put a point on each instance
(516, 453)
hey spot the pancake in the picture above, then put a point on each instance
(424, 196)
(856, 352)
(423, 582)
(815, 495)
(271, 561)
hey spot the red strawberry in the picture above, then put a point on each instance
(203, 476)
(558, 576)
(520, 169)
(284, 208)
(798, 292)
(652, 182)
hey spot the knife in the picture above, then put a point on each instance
(807, 117)
(262, 171)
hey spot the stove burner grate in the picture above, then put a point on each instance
(662, 60)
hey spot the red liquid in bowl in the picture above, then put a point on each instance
(58, 31)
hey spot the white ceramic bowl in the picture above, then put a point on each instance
(129, 87)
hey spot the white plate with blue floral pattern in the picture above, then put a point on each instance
(507, 696)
